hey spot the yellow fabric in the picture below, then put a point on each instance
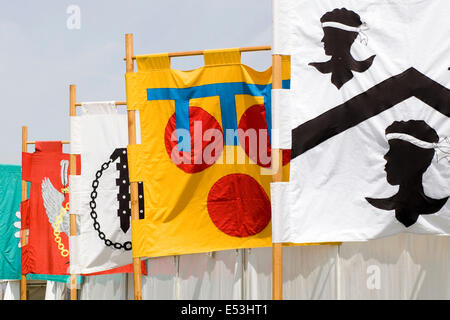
(222, 57)
(153, 62)
(176, 214)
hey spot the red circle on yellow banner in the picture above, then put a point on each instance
(253, 129)
(239, 206)
(205, 148)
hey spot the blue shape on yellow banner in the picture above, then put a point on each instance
(226, 93)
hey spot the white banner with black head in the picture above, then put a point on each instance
(100, 195)
(369, 120)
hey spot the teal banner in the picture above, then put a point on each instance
(10, 197)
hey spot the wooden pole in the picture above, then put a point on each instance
(73, 171)
(23, 234)
(117, 103)
(277, 162)
(200, 52)
(34, 142)
(133, 185)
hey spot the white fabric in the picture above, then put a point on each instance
(55, 290)
(75, 128)
(105, 287)
(281, 115)
(95, 134)
(329, 183)
(277, 194)
(12, 291)
(281, 33)
(309, 272)
(257, 274)
(204, 276)
(360, 30)
(408, 138)
(2, 288)
(442, 148)
(75, 185)
(161, 280)
(343, 26)
(405, 266)
(99, 108)
(409, 267)
(210, 276)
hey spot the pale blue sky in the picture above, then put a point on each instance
(40, 57)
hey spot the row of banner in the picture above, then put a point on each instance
(362, 119)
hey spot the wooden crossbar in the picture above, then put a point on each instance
(201, 52)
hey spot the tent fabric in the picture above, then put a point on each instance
(403, 267)
(190, 145)
(202, 276)
(105, 287)
(10, 197)
(161, 281)
(55, 291)
(103, 243)
(3, 285)
(368, 119)
(12, 291)
(209, 276)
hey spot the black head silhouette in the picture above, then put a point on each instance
(340, 28)
(406, 162)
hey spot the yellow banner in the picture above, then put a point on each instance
(204, 154)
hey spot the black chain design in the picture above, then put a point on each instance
(93, 205)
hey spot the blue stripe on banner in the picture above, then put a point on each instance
(226, 92)
(182, 121)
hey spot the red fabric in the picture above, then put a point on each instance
(254, 118)
(25, 214)
(125, 269)
(41, 254)
(78, 161)
(194, 161)
(25, 225)
(239, 206)
(48, 146)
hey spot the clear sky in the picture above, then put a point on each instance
(40, 56)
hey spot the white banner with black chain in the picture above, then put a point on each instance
(100, 195)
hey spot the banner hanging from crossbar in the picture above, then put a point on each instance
(204, 154)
